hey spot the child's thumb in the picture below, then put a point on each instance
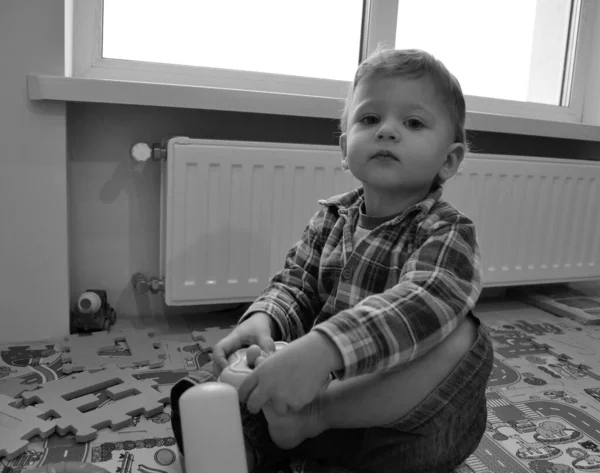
(267, 345)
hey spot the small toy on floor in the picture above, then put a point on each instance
(92, 313)
(241, 364)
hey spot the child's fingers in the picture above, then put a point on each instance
(280, 408)
(259, 360)
(224, 348)
(252, 354)
(219, 359)
(267, 345)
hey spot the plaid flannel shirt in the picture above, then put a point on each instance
(387, 302)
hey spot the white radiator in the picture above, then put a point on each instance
(231, 211)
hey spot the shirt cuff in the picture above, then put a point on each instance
(272, 310)
(354, 346)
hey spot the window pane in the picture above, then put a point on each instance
(505, 49)
(309, 38)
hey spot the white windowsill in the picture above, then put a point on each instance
(70, 89)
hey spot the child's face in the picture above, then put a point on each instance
(399, 136)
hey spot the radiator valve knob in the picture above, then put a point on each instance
(141, 152)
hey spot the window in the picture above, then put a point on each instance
(525, 62)
(515, 57)
(515, 50)
(247, 35)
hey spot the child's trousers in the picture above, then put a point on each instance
(437, 436)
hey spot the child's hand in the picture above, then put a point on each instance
(257, 330)
(293, 376)
(290, 430)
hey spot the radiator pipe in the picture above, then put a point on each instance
(142, 285)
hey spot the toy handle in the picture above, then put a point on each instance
(212, 429)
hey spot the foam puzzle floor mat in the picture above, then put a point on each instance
(543, 401)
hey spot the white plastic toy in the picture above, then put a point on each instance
(241, 364)
(212, 429)
(211, 422)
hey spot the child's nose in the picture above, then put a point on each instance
(387, 132)
(386, 136)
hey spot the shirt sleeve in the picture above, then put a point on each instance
(438, 285)
(292, 296)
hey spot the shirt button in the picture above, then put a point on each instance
(347, 273)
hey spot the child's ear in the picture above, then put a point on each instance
(343, 141)
(454, 156)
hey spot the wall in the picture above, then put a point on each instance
(114, 228)
(33, 187)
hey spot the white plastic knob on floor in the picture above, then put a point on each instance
(212, 429)
(89, 303)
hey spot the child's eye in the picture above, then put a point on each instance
(369, 119)
(414, 123)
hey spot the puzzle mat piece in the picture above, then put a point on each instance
(572, 407)
(506, 377)
(576, 304)
(140, 427)
(155, 430)
(576, 344)
(514, 343)
(530, 324)
(6, 371)
(549, 366)
(559, 394)
(188, 355)
(557, 336)
(16, 360)
(213, 335)
(164, 379)
(540, 437)
(574, 348)
(535, 322)
(523, 378)
(82, 352)
(198, 337)
(12, 387)
(159, 455)
(544, 368)
(18, 425)
(146, 454)
(180, 357)
(36, 453)
(175, 357)
(76, 401)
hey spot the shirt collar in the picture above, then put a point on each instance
(351, 201)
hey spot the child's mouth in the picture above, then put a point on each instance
(384, 155)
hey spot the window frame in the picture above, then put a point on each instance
(379, 26)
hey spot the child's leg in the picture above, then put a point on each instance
(375, 400)
(434, 436)
(379, 399)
